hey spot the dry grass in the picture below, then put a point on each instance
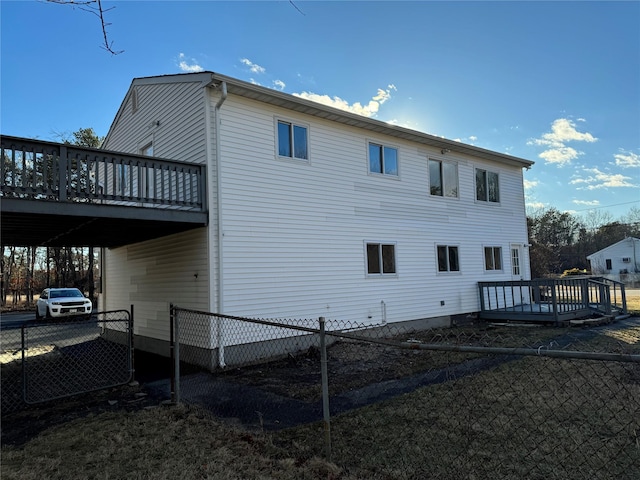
(530, 418)
(633, 304)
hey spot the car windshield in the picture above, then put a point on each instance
(67, 292)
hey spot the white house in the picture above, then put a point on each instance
(313, 211)
(620, 261)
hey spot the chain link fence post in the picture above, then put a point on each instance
(325, 390)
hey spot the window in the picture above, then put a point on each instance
(292, 140)
(493, 258)
(443, 178)
(609, 265)
(383, 160)
(381, 259)
(448, 259)
(487, 186)
(147, 150)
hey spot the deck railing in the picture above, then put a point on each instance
(551, 300)
(38, 170)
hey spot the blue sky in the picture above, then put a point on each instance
(553, 82)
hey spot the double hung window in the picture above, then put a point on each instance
(383, 159)
(443, 178)
(293, 140)
(448, 259)
(381, 259)
(487, 186)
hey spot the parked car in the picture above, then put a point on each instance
(62, 303)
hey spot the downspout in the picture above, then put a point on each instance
(220, 331)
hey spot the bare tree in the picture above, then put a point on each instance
(94, 7)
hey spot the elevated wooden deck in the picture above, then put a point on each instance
(55, 194)
(554, 301)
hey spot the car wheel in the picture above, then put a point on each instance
(49, 316)
(38, 316)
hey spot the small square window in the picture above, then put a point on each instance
(493, 258)
(383, 159)
(292, 140)
(448, 259)
(381, 259)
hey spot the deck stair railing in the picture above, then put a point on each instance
(38, 170)
(607, 296)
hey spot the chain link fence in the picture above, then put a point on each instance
(403, 401)
(47, 361)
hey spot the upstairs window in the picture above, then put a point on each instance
(448, 259)
(487, 186)
(292, 140)
(443, 178)
(493, 258)
(381, 259)
(383, 159)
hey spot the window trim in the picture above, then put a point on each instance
(380, 245)
(493, 258)
(448, 271)
(292, 124)
(487, 171)
(382, 146)
(442, 161)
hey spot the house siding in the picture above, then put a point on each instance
(153, 274)
(627, 272)
(179, 109)
(295, 231)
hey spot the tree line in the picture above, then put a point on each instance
(562, 241)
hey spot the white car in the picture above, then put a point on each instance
(62, 303)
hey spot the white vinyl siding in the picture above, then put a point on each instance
(153, 274)
(293, 232)
(173, 112)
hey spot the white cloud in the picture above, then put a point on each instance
(627, 159)
(530, 184)
(191, 66)
(560, 155)
(253, 67)
(596, 179)
(370, 109)
(588, 203)
(562, 131)
(279, 85)
(536, 205)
